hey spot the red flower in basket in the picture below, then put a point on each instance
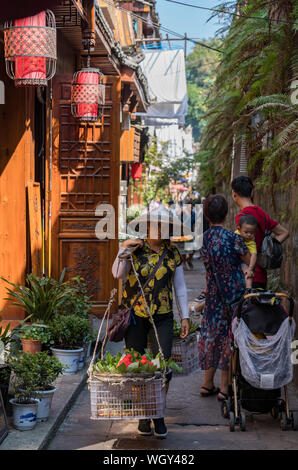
(144, 360)
(126, 360)
(151, 364)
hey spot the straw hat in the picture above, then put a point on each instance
(159, 215)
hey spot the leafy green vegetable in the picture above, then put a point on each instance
(134, 362)
(177, 328)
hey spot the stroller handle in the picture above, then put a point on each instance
(266, 294)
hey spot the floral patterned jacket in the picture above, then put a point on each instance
(158, 292)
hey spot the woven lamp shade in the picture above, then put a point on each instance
(87, 95)
(30, 47)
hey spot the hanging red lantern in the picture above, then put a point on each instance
(136, 171)
(87, 94)
(30, 47)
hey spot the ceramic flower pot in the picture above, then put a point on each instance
(82, 359)
(24, 414)
(69, 358)
(31, 345)
(88, 350)
(44, 404)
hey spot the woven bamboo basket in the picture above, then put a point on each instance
(126, 396)
(185, 353)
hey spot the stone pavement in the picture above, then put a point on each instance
(194, 423)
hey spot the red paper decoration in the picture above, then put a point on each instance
(87, 94)
(136, 171)
(30, 48)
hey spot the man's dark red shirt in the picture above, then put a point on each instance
(259, 214)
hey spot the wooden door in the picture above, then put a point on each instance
(85, 173)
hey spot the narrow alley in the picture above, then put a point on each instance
(138, 136)
(194, 423)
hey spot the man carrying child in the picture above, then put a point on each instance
(242, 191)
(247, 228)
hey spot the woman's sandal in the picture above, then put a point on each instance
(210, 391)
(225, 395)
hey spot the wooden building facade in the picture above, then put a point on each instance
(55, 169)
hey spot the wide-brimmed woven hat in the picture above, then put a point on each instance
(159, 215)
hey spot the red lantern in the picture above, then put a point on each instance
(30, 49)
(136, 171)
(87, 94)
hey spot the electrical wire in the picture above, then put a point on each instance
(163, 28)
(190, 40)
(214, 10)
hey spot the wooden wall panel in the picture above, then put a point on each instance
(85, 174)
(34, 213)
(16, 169)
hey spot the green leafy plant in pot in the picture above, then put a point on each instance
(34, 377)
(33, 336)
(78, 303)
(68, 334)
(25, 402)
(41, 299)
(7, 338)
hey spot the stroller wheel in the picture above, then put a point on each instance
(232, 421)
(294, 416)
(225, 409)
(242, 421)
(284, 425)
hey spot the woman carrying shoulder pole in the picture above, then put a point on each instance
(159, 294)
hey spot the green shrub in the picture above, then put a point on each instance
(77, 300)
(5, 372)
(33, 373)
(69, 331)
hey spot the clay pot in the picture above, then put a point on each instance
(31, 345)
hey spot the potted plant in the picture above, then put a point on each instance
(33, 336)
(34, 377)
(68, 334)
(41, 299)
(78, 303)
(7, 338)
(25, 401)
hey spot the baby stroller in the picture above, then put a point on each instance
(262, 332)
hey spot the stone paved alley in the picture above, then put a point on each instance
(193, 422)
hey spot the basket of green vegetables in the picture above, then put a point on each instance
(185, 352)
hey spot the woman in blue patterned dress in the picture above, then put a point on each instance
(227, 251)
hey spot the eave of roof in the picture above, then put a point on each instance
(124, 59)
